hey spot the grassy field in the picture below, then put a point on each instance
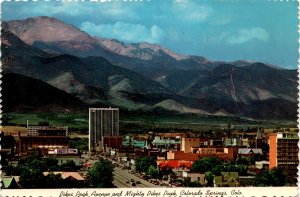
(138, 122)
(77, 121)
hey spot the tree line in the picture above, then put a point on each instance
(31, 170)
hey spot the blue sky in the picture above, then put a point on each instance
(258, 30)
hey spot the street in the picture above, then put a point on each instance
(121, 176)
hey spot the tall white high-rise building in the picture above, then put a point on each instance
(102, 122)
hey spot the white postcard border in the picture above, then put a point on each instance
(163, 192)
(156, 192)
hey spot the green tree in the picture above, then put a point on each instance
(101, 174)
(82, 144)
(142, 164)
(37, 163)
(205, 164)
(153, 171)
(31, 172)
(278, 177)
(256, 157)
(31, 178)
(194, 184)
(274, 177)
(241, 169)
(10, 171)
(216, 170)
(262, 179)
(53, 181)
(292, 179)
(209, 179)
(243, 161)
(69, 166)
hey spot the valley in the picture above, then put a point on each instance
(135, 123)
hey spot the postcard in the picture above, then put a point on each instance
(149, 98)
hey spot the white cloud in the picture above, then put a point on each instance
(239, 36)
(111, 10)
(127, 32)
(245, 35)
(53, 8)
(118, 11)
(191, 10)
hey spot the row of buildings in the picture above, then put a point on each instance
(49, 141)
(279, 147)
(172, 150)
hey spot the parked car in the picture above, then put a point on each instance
(138, 182)
(132, 180)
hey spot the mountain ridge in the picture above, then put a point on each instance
(192, 85)
(53, 35)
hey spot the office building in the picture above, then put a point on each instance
(27, 144)
(47, 130)
(186, 143)
(283, 152)
(103, 122)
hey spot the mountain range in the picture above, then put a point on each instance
(140, 76)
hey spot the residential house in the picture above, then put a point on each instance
(177, 167)
(262, 164)
(191, 176)
(227, 179)
(246, 181)
(9, 183)
(249, 152)
(71, 179)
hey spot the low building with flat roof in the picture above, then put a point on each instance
(162, 142)
(26, 143)
(64, 155)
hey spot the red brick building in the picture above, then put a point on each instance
(228, 154)
(112, 141)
